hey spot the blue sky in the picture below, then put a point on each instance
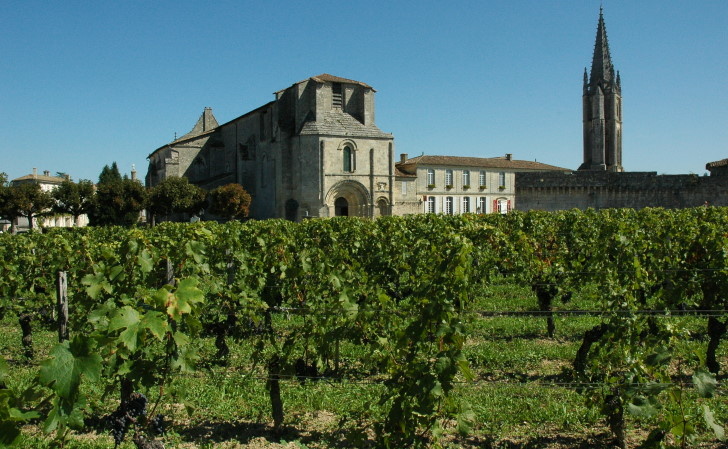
(86, 83)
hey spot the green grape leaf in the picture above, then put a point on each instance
(146, 264)
(155, 322)
(128, 319)
(661, 355)
(182, 300)
(705, 383)
(710, 421)
(62, 372)
(95, 284)
(642, 407)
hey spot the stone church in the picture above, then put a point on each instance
(314, 151)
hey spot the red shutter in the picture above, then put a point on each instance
(509, 206)
(495, 206)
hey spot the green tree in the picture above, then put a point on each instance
(73, 198)
(230, 201)
(110, 175)
(176, 195)
(28, 200)
(118, 203)
(6, 212)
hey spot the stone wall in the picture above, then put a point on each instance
(602, 190)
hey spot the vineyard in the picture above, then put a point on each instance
(570, 329)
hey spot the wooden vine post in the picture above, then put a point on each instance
(62, 303)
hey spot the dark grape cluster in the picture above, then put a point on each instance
(128, 412)
(158, 425)
(137, 405)
(118, 424)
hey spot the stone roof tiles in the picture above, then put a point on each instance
(339, 123)
(493, 162)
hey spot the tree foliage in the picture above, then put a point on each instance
(110, 175)
(176, 195)
(73, 198)
(230, 201)
(118, 203)
(27, 200)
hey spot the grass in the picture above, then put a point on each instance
(514, 399)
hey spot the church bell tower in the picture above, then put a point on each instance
(602, 103)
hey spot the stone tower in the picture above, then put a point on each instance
(602, 102)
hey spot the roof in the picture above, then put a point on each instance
(716, 164)
(339, 123)
(41, 179)
(602, 68)
(492, 162)
(327, 78)
(206, 124)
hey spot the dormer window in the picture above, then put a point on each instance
(337, 97)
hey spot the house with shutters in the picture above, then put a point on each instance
(458, 185)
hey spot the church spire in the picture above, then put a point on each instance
(602, 70)
(602, 109)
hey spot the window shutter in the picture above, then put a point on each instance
(509, 206)
(495, 206)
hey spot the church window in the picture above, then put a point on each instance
(448, 205)
(466, 204)
(466, 178)
(502, 179)
(448, 178)
(337, 97)
(431, 204)
(349, 159)
(481, 205)
(430, 177)
(481, 178)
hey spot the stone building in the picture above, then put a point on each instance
(47, 184)
(457, 185)
(314, 151)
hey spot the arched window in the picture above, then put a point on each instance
(349, 162)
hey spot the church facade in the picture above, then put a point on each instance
(314, 151)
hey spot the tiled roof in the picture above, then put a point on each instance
(716, 164)
(492, 162)
(40, 179)
(339, 123)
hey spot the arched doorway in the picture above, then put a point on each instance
(348, 199)
(341, 207)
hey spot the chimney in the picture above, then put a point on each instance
(509, 156)
(46, 173)
(133, 172)
(35, 172)
(403, 157)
